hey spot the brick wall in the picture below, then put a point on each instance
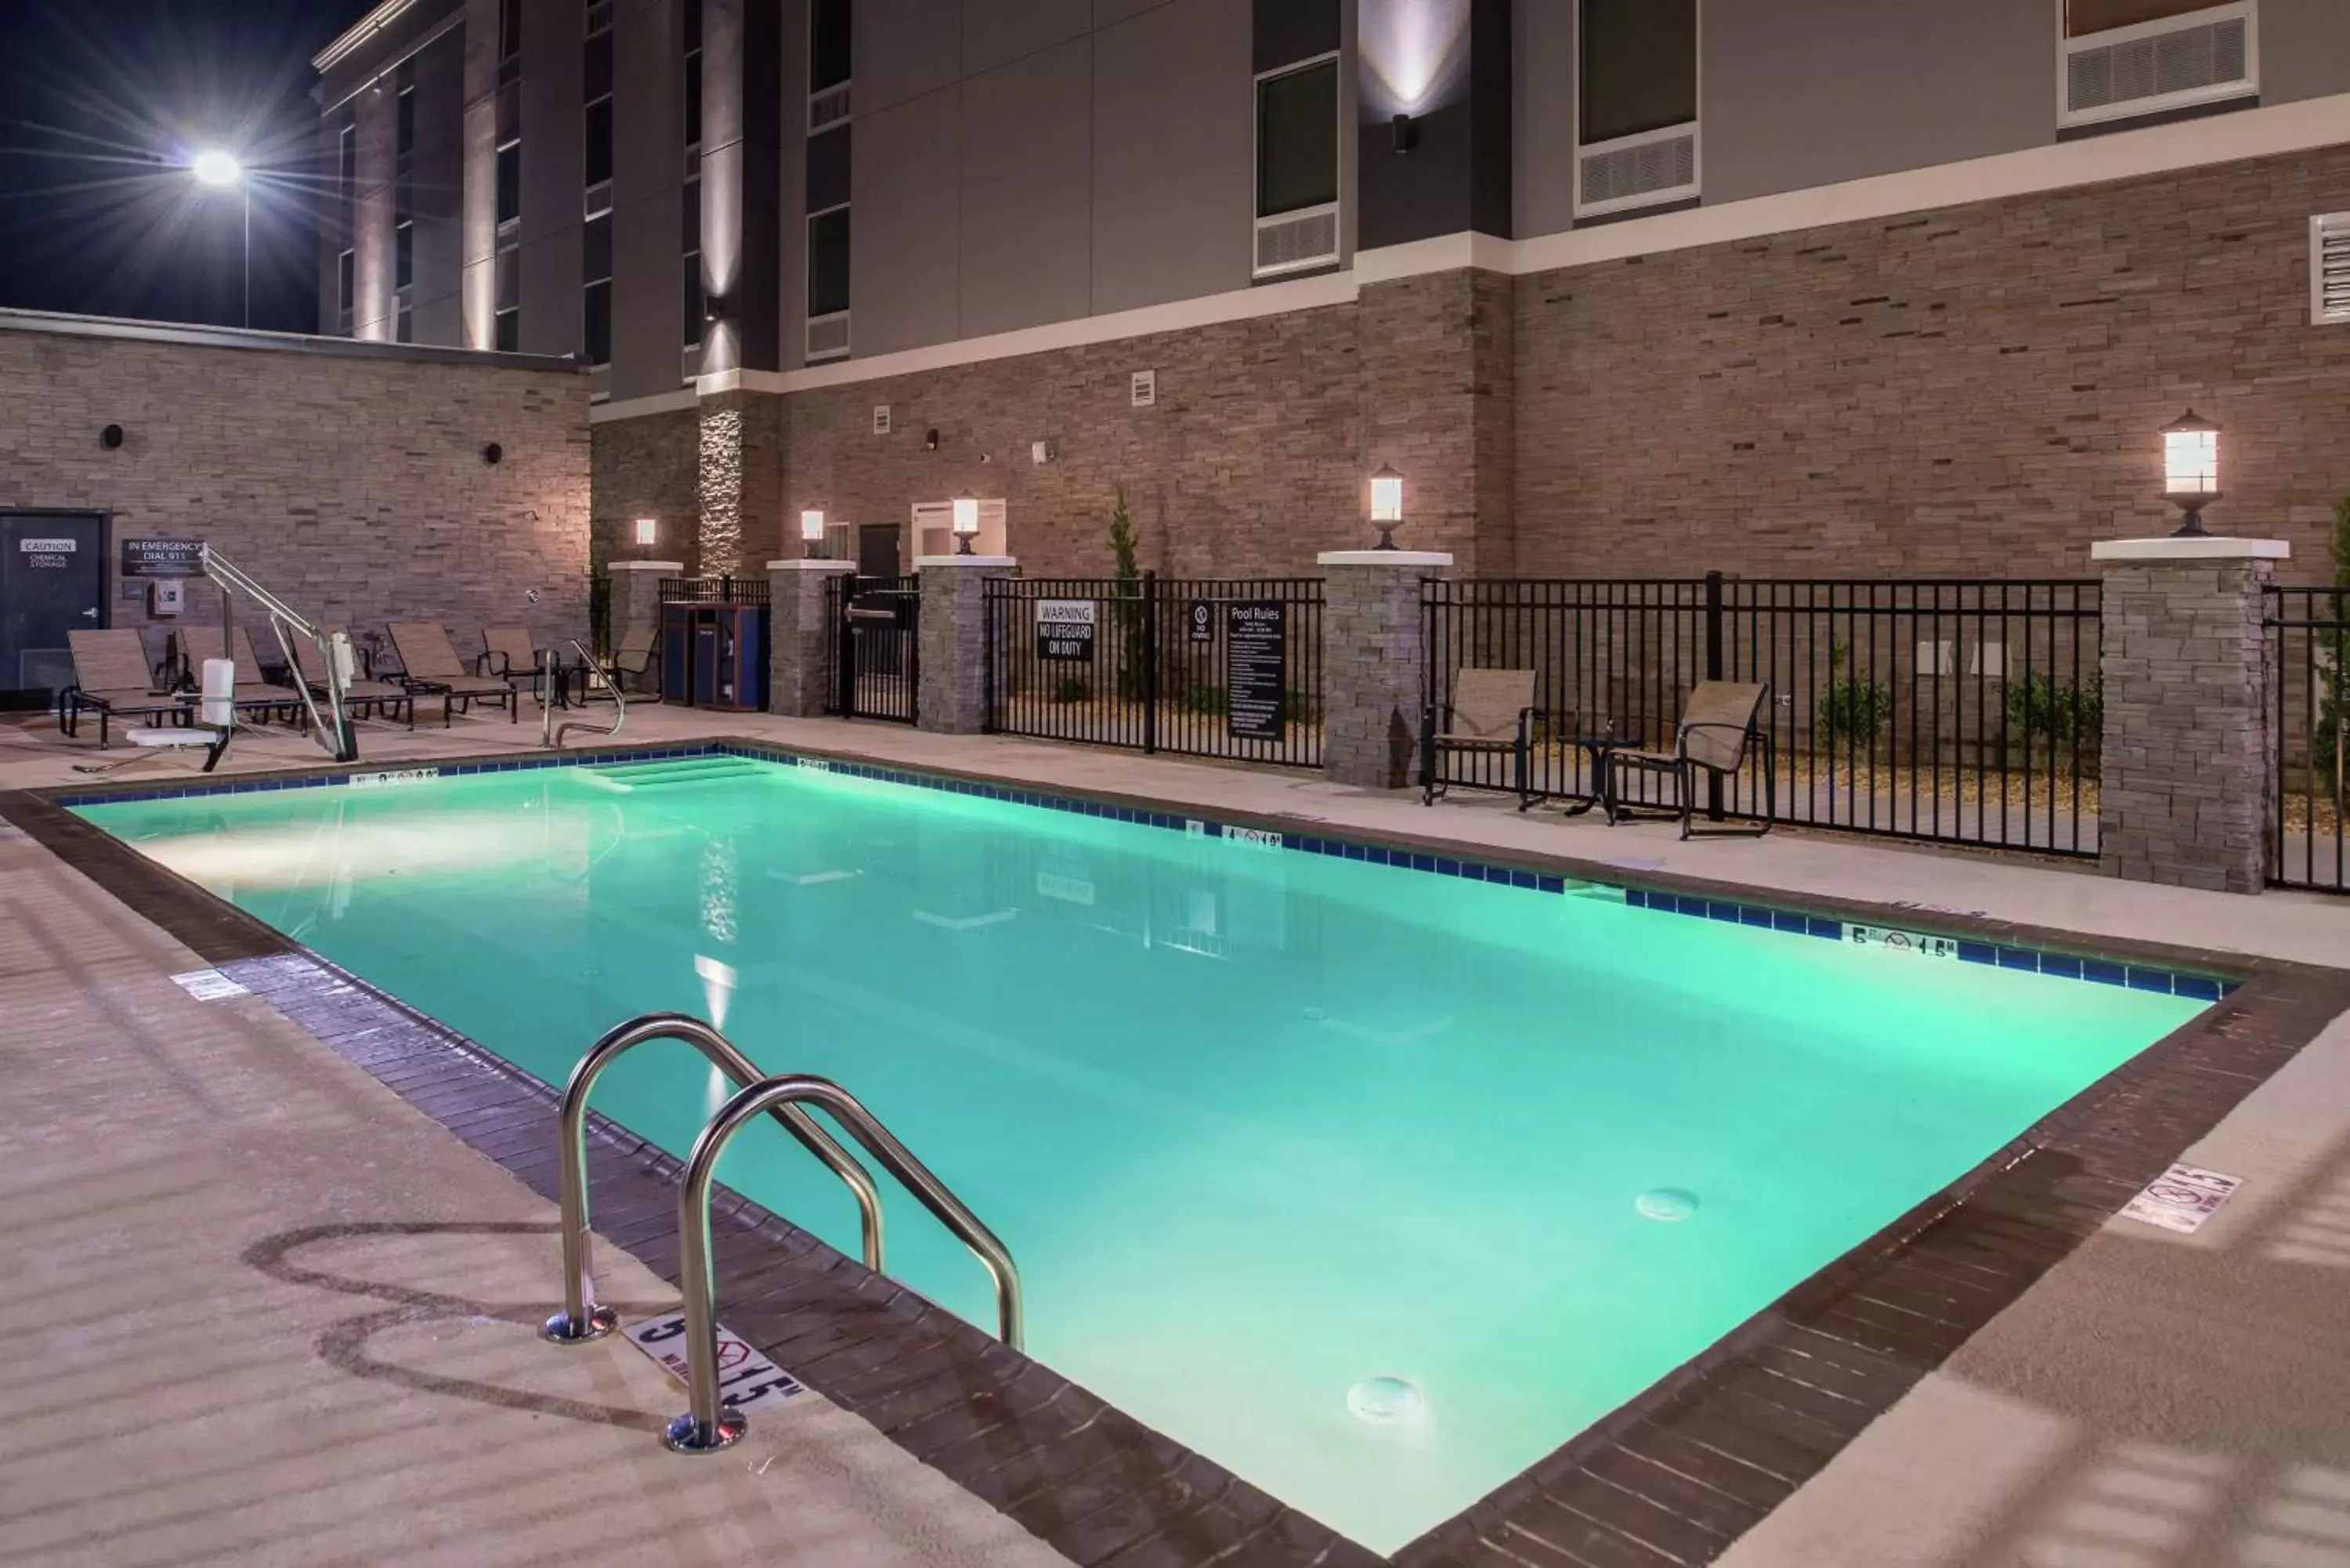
(352, 485)
(645, 467)
(1975, 391)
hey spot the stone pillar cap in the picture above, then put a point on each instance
(811, 565)
(2190, 547)
(1385, 558)
(645, 565)
(923, 562)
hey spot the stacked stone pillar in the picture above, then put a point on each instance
(800, 634)
(951, 694)
(635, 593)
(2189, 754)
(1374, 646)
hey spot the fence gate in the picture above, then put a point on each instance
(873, 657)
(1225, 668)
(2309, 645)
(1965, 712)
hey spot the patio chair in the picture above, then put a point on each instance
(383, 699)
(111, 679)
(507, 650)
(431, 666)
(1721, 727)
(1491, 715)
(639, 651)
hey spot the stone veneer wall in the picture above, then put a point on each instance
(1969, 391)
(646, 467)
(351, 484)
(1973, 390)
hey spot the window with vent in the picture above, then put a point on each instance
(347, 273)
(509, 183)
(827, 284)
(829, 44)
(1297, 168)
(506, 278)
(404, 124)
(403, 256)
(2124, 59)
(2329, 269)
(1636, 126)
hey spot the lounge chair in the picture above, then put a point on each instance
(112, 678)
(431, 666)
(639, 649)
(257, 695)
(1721, 727)
(1491, 715)
(382, 697)
(215, 725)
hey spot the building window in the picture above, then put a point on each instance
(509, 29)
(828, 268)
(829, 41)
(404, 330)
(405, 122)
(403, 255)
(507, 336)
(1637, 117)
(598, 329)
(692, 238)
(600, 144)
(509, 183)
(692, 77)
(347, 290)
(1297, 168)
(2124, 59)
(348, 167)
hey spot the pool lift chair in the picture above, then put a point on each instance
(332, 728)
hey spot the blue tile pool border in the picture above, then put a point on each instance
(1708, 906)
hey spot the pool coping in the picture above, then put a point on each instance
(1674, 1476)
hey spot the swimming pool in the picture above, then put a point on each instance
(1371, 1183)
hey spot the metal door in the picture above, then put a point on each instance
(876, 550)
(52, 581)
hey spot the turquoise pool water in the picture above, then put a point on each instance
(1257, 1125)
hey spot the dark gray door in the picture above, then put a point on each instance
(52, 581)
(876, 550)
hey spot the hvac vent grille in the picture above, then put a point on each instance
(2198, 62)
(827, 336)
(828, 107)
(1647, 171)
(2329, 268)
(1297, 239)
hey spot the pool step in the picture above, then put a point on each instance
(628, 778)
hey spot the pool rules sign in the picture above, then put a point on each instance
(1253, 658)
(1064, 631)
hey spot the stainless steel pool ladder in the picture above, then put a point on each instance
(708, 1426)
(550, 732)
(581, 1319)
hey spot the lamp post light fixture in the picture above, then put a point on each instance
(812, 532)
(220, 170)
(647, 530)
(1386, 505)
(966, 523)
(2190, 470)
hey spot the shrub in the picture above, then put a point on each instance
(2042, 708)
(1071, 689)
(1203, 698)
(1851, 710)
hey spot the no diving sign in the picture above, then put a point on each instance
(745, 1377)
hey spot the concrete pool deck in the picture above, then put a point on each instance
(2153, 1400)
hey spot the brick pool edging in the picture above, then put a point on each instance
(1674, 1477)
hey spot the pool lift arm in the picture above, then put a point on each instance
(332, 729)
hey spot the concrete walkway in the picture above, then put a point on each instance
(2155, 1402)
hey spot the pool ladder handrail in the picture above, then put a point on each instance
(709, 1425)
(550, 732)
(582, 1319)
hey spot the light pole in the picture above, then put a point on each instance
(220, 170)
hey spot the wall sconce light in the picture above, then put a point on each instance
(966, 523)
(1386, 505)
(929, 440)
(110, 437)
(812, 532)
(713, 308)
(1041, 452)
(1405, 134)
(2190, 470)
(648, 530)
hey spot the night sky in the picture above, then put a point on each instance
(101, 102)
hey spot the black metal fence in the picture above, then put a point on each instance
(2309, 647)
(1965, 711)
(714, 590)
(1229, 668)
(873, 659)
(599, 612)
